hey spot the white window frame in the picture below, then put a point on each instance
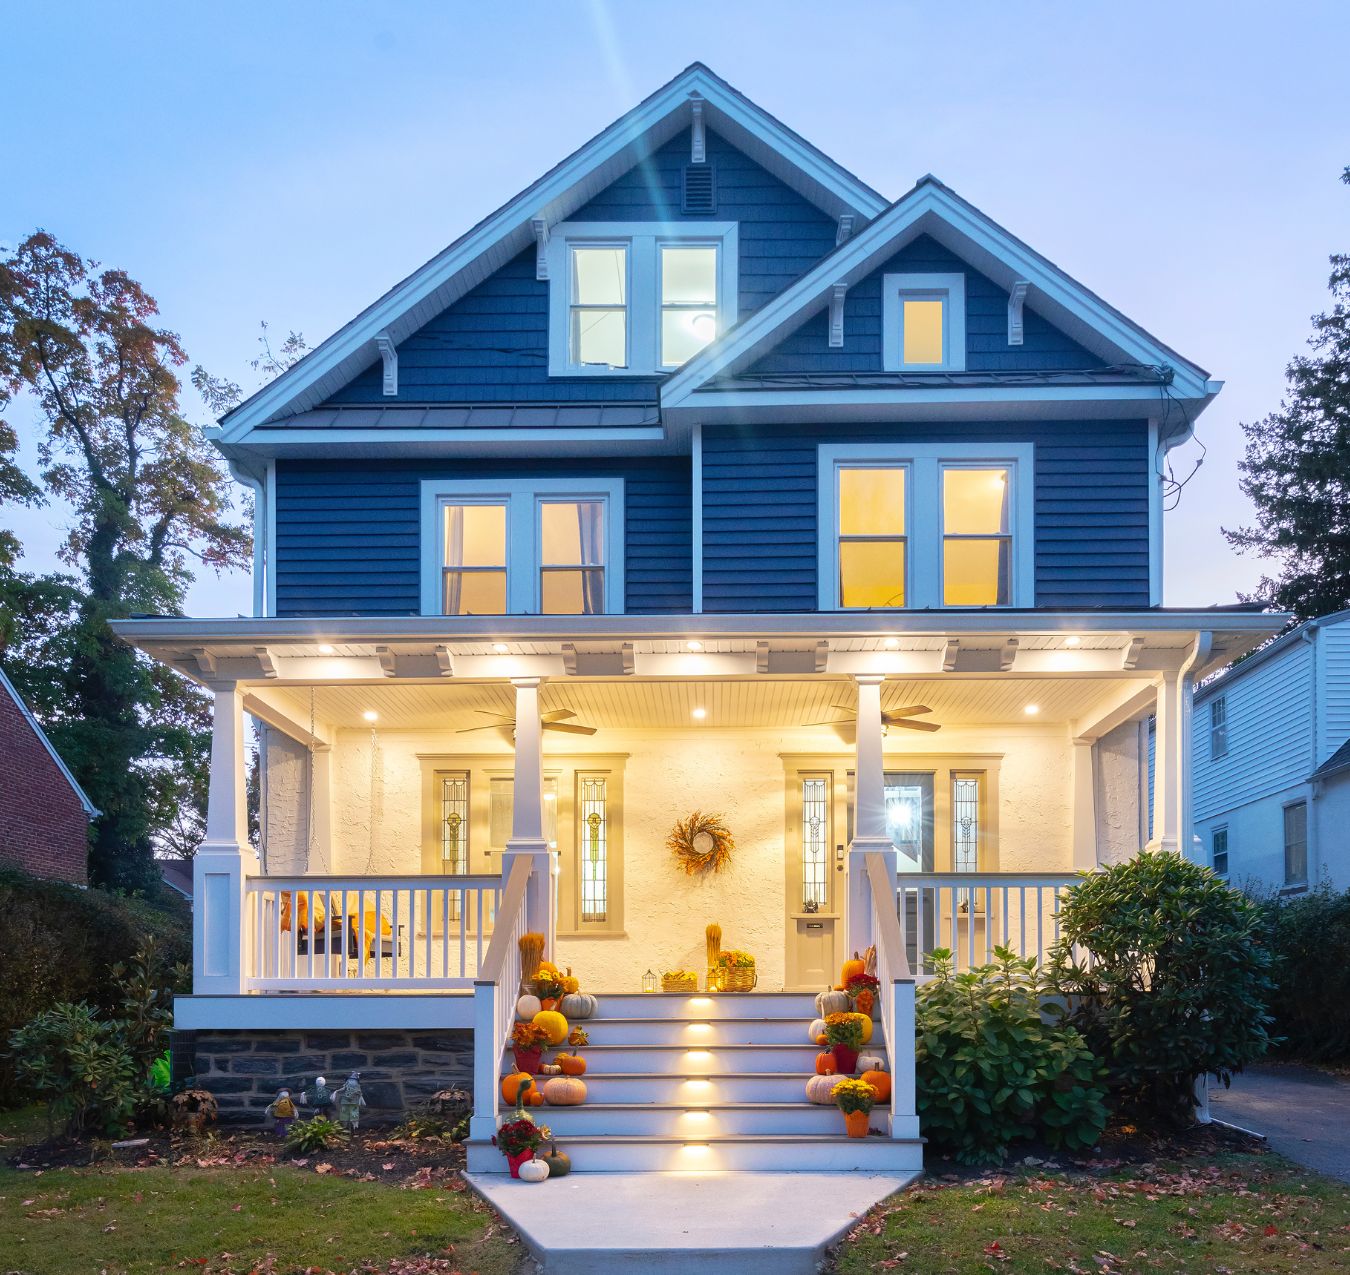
(1218, 730)
(644, 240)
(1293, 884)
(1214, 852)
(951, 289)
(522, 498)
(923, 516)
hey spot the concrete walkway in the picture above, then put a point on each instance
(668, 1223)
(1305, 1114)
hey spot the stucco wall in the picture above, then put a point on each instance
(1120, 832)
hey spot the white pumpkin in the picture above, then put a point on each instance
(820, 1090)
(527, 1007)
(577, 1005)
(816, 1031)
(832, 1002)
(533, 1171)
(871, 1062)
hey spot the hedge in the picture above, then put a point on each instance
(1310, 935)
(60, 943)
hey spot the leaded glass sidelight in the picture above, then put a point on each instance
(815, 843)
(455, 830)
(965, 823)
(594, 839)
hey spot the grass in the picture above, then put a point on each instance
(1231, 1215)
(238, 1218)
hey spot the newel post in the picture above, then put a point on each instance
(869, 812)
(224, 860)
(527, 815)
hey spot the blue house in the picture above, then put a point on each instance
(699, 477)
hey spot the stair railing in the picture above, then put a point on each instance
(896, 994)
(494, 1000)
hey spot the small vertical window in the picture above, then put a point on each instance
(598, 310)
(923, 330)
(572, 557)
(872, 536)
(688, 301)
(815, 843)
(593, 836)
(965, 823)
(474, 579)
(1218, 851)
(454, 830)
(923, 322)
(976, 540)
(1218, 727)
(1296, 844)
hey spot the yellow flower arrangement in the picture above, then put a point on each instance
(853, 1095)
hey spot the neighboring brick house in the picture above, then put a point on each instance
(44, 814)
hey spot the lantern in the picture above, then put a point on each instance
(649, 982)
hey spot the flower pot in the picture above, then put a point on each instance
(549, 1003)
(515, 1161)
(845, 1059)
(527, 1059)
(855, 1123)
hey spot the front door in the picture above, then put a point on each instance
(815, 881)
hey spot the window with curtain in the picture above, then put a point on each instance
(976, 537)
(872, 535)
(598, 306)
(571, 557)
(474, 573)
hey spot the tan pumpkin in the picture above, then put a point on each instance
(816, 1030)
(831, 1002)
(880, 1082)
(565, 1091)
(820, 1090)
(572, 1064)
(527, 1007)
(826, 1064)
(871, 1062)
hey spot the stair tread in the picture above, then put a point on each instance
(791, 1104)
(700, 1075)
(685, 1022)
(686, 1046)
(877, 1139)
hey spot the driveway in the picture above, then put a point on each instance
(1304, 1113)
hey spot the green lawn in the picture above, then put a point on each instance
(1235, 1214)
(239, 1218)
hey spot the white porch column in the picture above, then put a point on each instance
(1084, 806)
(1168, 764)
(869, 811)
(527, 814)
(220, 930)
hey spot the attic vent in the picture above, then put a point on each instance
(700, 189)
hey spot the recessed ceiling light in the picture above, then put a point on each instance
(325, 648)
(699, 714)
(891, 643)
(500, 647)
(694, 646)
(1032, 709)
(1073, 640)
(371, 715)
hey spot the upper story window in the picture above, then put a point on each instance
(1218, 727)
(637, 298)
(924, 322)
(535, 547)
(925, 526)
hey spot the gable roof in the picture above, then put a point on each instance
(1272, 649)
(934, 209)
(563, 189)
(89, 808)
(1337, 762)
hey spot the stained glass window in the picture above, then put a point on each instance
(455, 830)
(815, 843)
(965, 823)
(593, 834)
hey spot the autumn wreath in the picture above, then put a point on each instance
(701, 844)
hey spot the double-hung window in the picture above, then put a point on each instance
(1218, 727)
(925, 525)
(637, 298)
(1296, 844)
(923, 322)
(533, 547)
(1218, 851)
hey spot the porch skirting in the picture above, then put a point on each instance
(244, 1069)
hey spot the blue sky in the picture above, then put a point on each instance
(289, 161)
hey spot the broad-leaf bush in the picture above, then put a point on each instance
(1310, 936)
(1168, 977)
(993, 1069)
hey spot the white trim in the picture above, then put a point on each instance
(951, 289)
(261, 506)
(643, 241)
(1155, 517)
(696, 522)
(323, 1011)
(924, 464)
(522, 498)
(89, 808)
(270, 547)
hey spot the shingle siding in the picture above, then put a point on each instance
(348, 532)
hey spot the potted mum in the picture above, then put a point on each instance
(843, 1033)
(855, 1098)
(527, 1046)
(517, 1141)
(862, 991)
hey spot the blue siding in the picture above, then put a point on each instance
(348, 532)
(1043, 348)
(759, 510)
(491, 346)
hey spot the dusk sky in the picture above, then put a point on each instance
(289, 162)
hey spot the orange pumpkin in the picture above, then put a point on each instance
(511, 1086)
(533, 1098)
(822, 1039)
(826, 1064)
(880, 1083)
(572, 1064)
(852, 969)
(865, 1000)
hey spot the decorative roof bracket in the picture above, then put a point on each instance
(845, 231)
(388, 660)
(389, 353)
(540, 227)
(698, 142)
(1016, 297)
(837, 294)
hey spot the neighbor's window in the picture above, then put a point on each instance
(871, 505)
(593, 839)
(688, 300)
(1218, 727)
(598, 308)
(1296, 843)
(1218, 851)
(571, 557)
(976, 537)
(474, 578)
(924, 322)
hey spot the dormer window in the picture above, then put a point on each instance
(924, 322)
(637, 298)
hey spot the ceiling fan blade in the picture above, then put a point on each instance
(909, 710)
(506, 723)
(850, 709)
(492, 712)
(571, 730)
(838, 721)
(556, 715)
(905, 724)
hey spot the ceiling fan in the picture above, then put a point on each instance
(902, 717)
(554, 720)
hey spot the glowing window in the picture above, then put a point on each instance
(976, 537)
(923, 322)
(815, 843)
(474, 577)
(923, 331)
(572, 557)
(598, 309)
(965, 823)
(872, 536)
(688, 301)
(593, 836)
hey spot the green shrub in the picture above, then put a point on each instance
(991, 1069)
(60, 944)
(318, 1134)
(1310, 936)
(1168, 976)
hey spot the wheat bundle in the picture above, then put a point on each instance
(531, 953)
(714, 944)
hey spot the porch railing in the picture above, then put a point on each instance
(330, 933)
(971, 913)
(896, 993)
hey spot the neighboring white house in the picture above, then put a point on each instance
(1271, 743)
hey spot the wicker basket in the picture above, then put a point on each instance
(731, 979)
(684, 981)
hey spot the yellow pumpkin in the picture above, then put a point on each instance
(553, 1023)
(880, 1082)
(864, 1019)
(547, 967)
(565, 1091)
(511, 1086)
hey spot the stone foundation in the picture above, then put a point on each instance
(399, 1069)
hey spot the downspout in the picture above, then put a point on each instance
(1199, 656)
(259, 489)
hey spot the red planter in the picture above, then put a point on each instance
(845, 1059)
(515, 1161)
(528, 1059)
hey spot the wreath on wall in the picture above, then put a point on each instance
(702, 844)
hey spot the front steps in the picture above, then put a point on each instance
(690, 1083)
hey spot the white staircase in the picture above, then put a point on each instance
(697, 1083)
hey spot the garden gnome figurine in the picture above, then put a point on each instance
(349, 1102)
(319, 1096)
(282, 1110)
